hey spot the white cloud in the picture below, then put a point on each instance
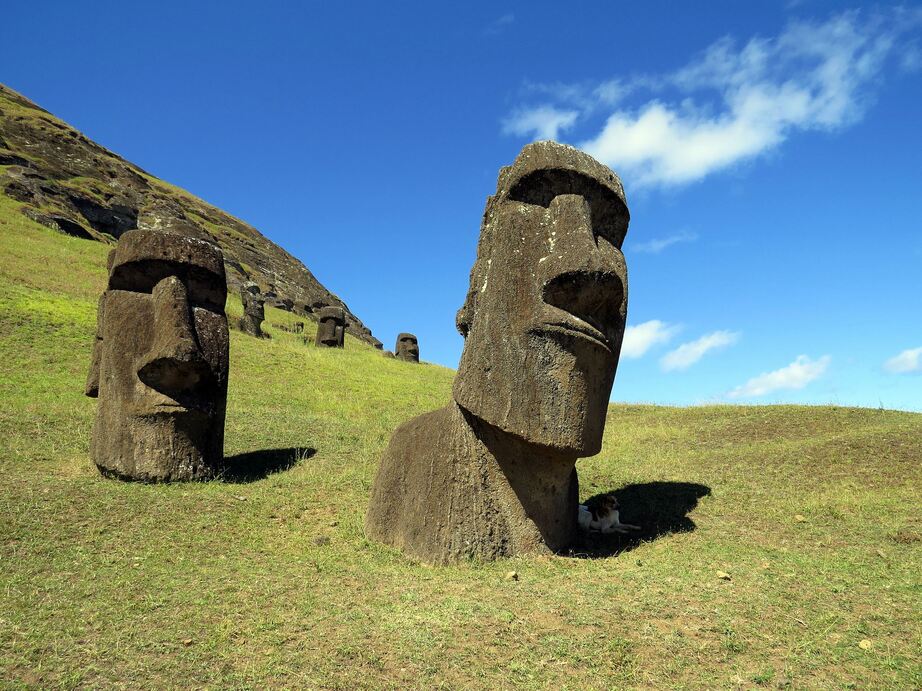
(795, 376)
(544, 122)
(733, 103)
(612, 92)
(496, 27)
(657, 245)
(907, 362)
(688, 354)
(639, 339)
(911, 59)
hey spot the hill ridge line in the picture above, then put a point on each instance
(69, 183)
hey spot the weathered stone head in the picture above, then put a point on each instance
(544, 317)
(331, 329)
(543, 323)
(407, 348)
(254, 309)
(160, 360)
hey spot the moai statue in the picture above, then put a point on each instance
(254, 309)
(160, 360)
(331, 330)
(407, 348)
(493, 474)
(298, 328)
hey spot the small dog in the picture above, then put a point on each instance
(602, 515)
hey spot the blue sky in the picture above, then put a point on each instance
(770, 153)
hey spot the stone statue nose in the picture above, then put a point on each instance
(577, 245)
(174, 363)
(573, 214)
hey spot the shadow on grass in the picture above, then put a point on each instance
(659, 508)
(256, 465)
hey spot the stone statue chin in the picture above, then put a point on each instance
(160, 360)
(493, 473)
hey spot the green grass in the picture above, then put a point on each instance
(226, 585)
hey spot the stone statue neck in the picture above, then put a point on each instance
(512, 446)
(535, 486)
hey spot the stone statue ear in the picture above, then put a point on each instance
(466, 314)
(91, 388)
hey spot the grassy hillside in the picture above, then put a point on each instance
(267, 580)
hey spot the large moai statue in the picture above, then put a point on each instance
(407, 348)
(254, 309)
(493, 474)
(331, 331)
(160, 360)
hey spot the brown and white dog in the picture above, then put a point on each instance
(602, 515)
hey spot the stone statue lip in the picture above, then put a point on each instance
(164, 406)
(585, 305)
(172, 411)
(571, 325)
(176, 408)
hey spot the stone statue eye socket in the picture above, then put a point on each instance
(610, 216)
(204, 289)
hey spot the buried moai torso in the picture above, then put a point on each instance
(407, 348)
(331, 329)
(160, 360)
(543, 324)
(254, 309)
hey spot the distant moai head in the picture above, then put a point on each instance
(407, 348)
(332, 327)
(160, 360)
(254, 309)
(544, 316)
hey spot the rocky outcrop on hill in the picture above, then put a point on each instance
(69, 183)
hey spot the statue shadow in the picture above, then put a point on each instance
(256, 465)
(659, 508)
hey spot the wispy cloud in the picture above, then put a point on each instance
(733, 103)
(657, 245)
(496, 27)
(795, 376)
(907, 362)
(544, 121)
(689, 353)
(639, 339)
